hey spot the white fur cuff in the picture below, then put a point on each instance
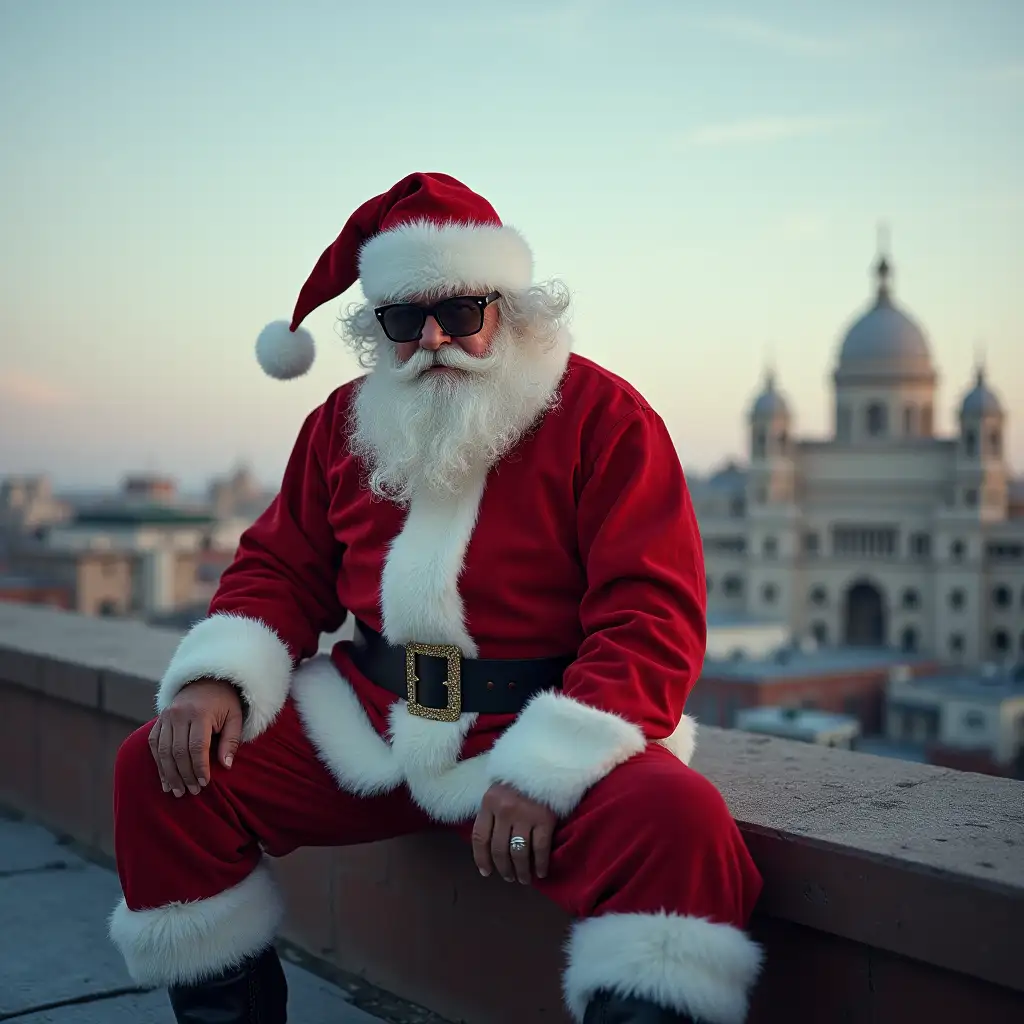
(183, 943)
(420, 258)
(685, 964)
(240, 650)
(558, 748)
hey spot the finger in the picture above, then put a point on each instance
(200, 733)
(154, 749)
(170, 769)
(182, 755)
(482, 828)
(542, 850)
(521, 858)
(230, 738)
(500, 853)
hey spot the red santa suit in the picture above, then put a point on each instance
(581, 542)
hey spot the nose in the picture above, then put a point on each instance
(433, 336)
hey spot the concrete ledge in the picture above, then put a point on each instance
(883, 879)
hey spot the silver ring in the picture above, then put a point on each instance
(517, 843)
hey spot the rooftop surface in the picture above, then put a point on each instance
(131, 514)
(795, 722)
(54, 906)
(983, 689)
(794, 663)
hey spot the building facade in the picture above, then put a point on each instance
(882, 534)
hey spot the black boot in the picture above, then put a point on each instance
(608, 1008)
(255, 992)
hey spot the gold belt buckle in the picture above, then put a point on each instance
(453, 655)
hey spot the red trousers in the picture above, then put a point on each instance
(651, 854)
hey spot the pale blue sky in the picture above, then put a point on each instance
(708, 178)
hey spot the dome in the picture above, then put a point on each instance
(981, 400)
(770, 404)
(885, 342)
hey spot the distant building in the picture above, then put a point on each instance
(239, 495)
(22, 589)
(972, 722)
(741, 636)
(149, 488)
(881, 534)
(849, 681)
(122, 560)
(27, 503)
(821, 727)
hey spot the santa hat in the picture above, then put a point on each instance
(427, 234)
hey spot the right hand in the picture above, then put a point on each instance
(181, 736)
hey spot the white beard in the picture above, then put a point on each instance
(433, 432)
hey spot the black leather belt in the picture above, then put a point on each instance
(439, 683)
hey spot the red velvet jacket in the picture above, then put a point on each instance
(582, 539)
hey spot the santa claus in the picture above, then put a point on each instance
(508, 525)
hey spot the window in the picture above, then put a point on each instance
(970, 444)
(1010, 552)
(737, 507)
(1001, 596)
(920, 545)
(971, 497)
(876, 419)
(819, 596)
(865, 542)
(811, 544)
(771, 547)
(820, 633)
(732, 545)
(1000, 641)
(760, 443)
(926, 420)
(974, 720)
(908, 641)
(957, 599)
(957, 550)
(995, 443)
(107, 609)
(769, 592)
(911, 599)
(956, 644)
(733, 586)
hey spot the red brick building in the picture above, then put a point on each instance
(26, 590)
(850, 681)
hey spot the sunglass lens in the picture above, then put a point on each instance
(459, 317)
(403, 323)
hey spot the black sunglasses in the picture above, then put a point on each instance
(458, 316)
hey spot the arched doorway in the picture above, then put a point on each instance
(865, 616)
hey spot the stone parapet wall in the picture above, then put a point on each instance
(891, 889)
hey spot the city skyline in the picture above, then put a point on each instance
(708, 181)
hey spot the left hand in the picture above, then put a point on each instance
(505, 813)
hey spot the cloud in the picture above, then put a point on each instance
(761, 130)
(27, 389)
(753, 31)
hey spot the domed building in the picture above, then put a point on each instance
(882, 534)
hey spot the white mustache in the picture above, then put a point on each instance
(450, 356)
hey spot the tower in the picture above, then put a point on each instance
(884, 379)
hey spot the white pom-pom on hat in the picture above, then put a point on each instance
(283, 353)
